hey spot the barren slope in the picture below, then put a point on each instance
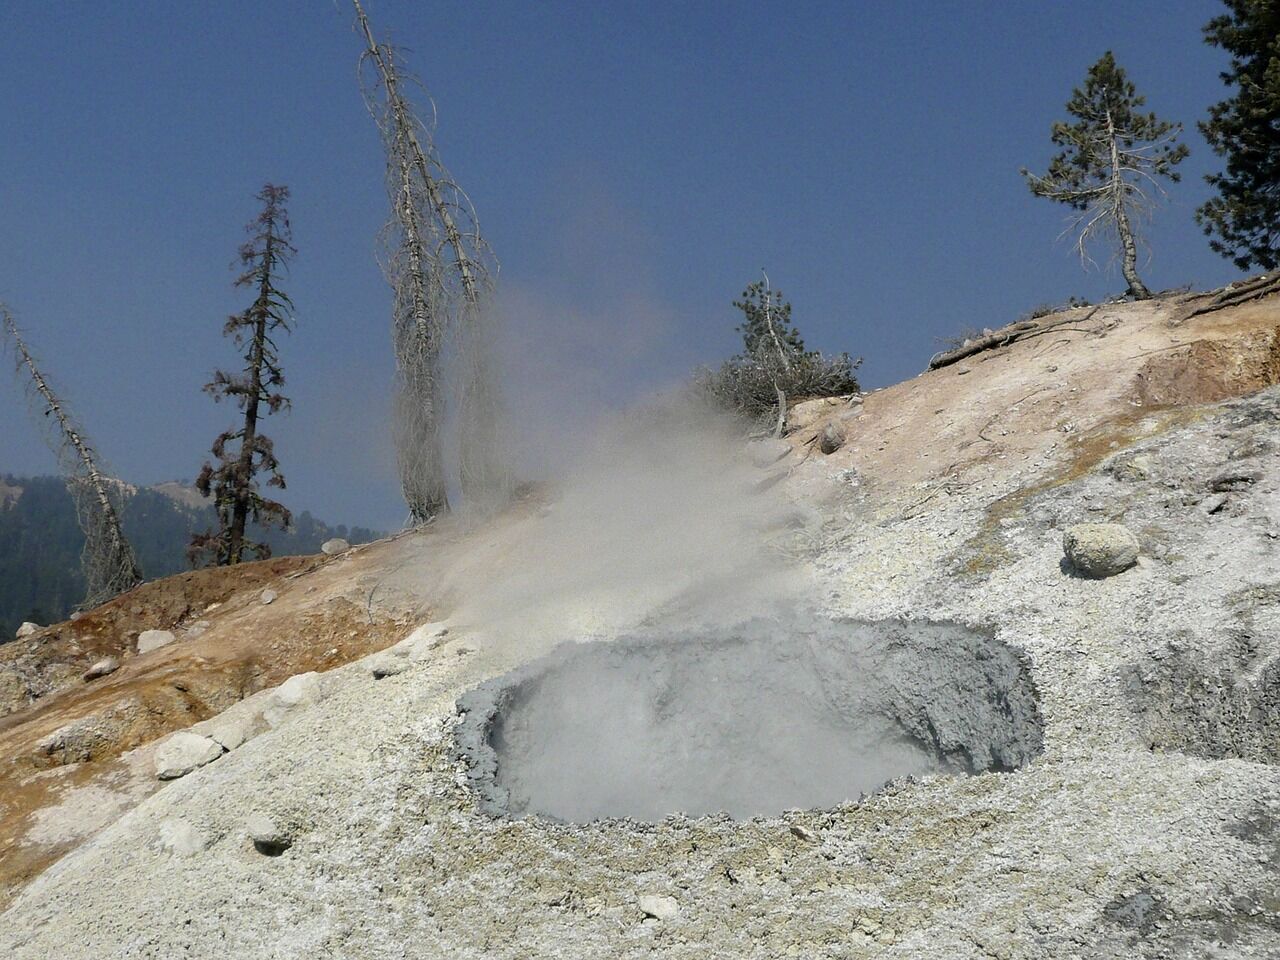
(1146, 828)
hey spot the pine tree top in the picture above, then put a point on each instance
(766, 325)
(1107, 115)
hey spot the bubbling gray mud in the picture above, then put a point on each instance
(751, 722)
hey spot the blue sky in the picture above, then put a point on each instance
(633, 165)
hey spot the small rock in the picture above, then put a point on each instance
(184, 752)
(268, 837)
(103, 667)
(75, 616)
(831, 439)
(1234, 479)
(182, 839)
(1100, 549)
(299, 690)
(331, 548)
(804, 833)
(27, 629)
(269, 596)
(387, 665)
(659, 908)
(229, 732)
(149, 640)
(197, 628)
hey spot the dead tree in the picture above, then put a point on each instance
(232, 483)
(441, 272)
(108, 561)
(1108, 168)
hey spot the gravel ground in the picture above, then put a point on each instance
(1147, 828)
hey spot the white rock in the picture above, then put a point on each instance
(300, 690)
(149, 640)
(331, 548)
(197, 628)
(230, 732)
(660, 908)
(269, 596)
(182, 753)
(182, 839)
(1100, 549)
(27, 629)
(103, 667)
(267, 836)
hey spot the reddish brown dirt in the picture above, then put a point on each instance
(58, 656)
(1042, 403)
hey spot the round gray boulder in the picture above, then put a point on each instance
(1100, 549)
(331, 548)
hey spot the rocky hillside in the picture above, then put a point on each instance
(40, 542)
(338, 813)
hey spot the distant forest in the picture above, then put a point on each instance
(40, 543)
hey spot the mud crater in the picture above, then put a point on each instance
(750, 722)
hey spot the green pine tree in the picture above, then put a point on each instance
(1110, 163)
(766, 327)
(1243, 220)
(245, 452)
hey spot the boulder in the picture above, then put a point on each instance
(27, 629)
(103, 667)
(300, 690)
(184, 752)
(269, 596)
(331, 548)
(228, 732)
(659, 908)
(149, 640)
(1100, 549)
(268, 836)
(182, 839)
(831, 438)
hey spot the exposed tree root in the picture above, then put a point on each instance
(1023, 330)
(1253, 289)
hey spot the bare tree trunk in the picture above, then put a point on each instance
(248, 438)
(771, 326)
(1129, 264)
(435, 217)
(780, 424)
(108, 560)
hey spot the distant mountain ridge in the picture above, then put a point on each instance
(40, 541)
